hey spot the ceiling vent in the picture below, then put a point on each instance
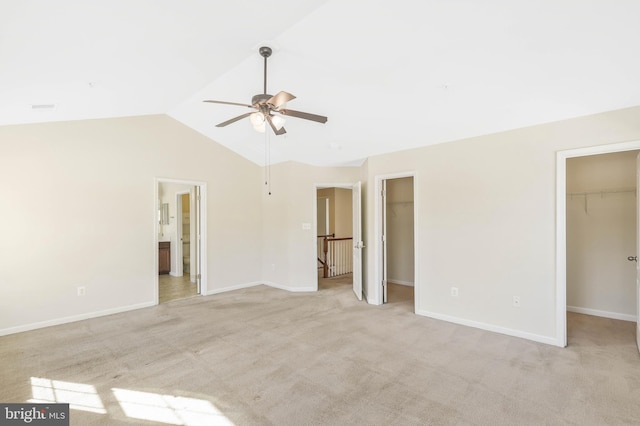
(42, 107)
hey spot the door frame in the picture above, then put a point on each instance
(203, 232)
(561, 225)
(377, 244)
(314, 225)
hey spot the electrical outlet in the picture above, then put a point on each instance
(454, 291)
(273, 266)
(516, 301)
(82, 291)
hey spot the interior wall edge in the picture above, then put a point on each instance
(494, 328)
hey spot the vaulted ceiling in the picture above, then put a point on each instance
(389, 75)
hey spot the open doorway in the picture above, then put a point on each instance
(182, 215)
(598, 204)
(334, 235)
(601, 237)
(397, 228)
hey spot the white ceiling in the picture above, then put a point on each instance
(389, 75)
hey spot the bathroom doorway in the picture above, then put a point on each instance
(180, 226)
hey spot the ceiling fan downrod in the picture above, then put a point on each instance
(265, 52)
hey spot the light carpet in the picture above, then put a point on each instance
(262, 356)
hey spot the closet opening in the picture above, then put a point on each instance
(601, 237)
(597, 236)
(396, 228)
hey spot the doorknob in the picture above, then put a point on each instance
(632, 258)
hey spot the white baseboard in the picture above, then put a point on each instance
(604, 314)
(394, 281)
(257, 283)
(493, 328)
(73, 318)
(291, 289)
(233, 287)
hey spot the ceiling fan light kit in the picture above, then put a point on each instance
(269, 109)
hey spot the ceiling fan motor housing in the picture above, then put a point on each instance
(265, 51)
(260, 99)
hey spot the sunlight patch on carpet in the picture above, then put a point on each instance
(169, 409)
(79, 396)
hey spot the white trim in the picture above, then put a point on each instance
(603, 314)
(394, 281)
(290, 289)
(234, 287)
(259, 283)
(375, 245)
(561, 226)
(73, 318)
(490, 327)
(374, 301)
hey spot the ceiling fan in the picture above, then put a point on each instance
(269, 109)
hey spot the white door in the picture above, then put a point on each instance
(383, 240)
(357, 240)
(179, 271)
(637, 243)
(198, 245)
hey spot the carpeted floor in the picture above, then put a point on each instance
(263, 356)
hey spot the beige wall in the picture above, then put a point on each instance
(485, 218)
(79, 209)
(343, 208)
(330, 194)
(289, 255)
(340, 208)
(486, 221)
(601, 234)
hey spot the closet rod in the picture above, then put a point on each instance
(603, 192)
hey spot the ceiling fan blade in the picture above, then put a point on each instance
(305, 115)
(280, 98)
(229, 103)
(233, 120)
(282, 131)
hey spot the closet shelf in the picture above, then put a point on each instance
(602, 192)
